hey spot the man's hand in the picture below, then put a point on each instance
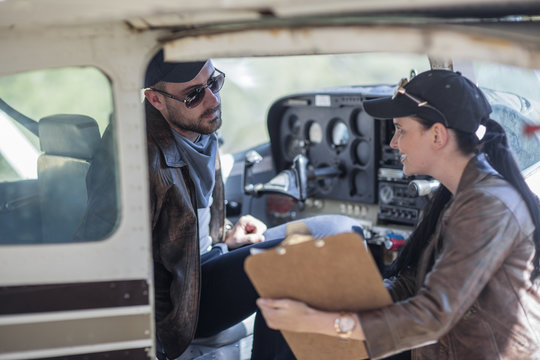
(248, 230)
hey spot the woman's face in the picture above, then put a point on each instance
(413, 142)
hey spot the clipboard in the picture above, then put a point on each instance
(335, 273)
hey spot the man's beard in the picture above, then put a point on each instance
(200, 126)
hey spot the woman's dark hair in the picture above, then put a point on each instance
(495, 145)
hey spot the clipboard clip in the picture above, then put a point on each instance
(282, 249)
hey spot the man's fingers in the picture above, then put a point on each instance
(254, 238)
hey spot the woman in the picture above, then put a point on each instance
(466, 285)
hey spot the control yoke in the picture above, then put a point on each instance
(292, 182)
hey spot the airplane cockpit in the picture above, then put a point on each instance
(287, 154)
(327, 155)
(322, 154)
(295, 141)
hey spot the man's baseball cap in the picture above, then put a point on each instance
(175, 72)
(437, 95)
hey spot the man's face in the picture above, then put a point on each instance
(205, 118)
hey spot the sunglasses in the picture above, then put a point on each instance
(400, 90)
(196, 96)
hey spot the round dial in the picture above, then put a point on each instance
(340, 134)
(362, 152)
(314, 134)
(294, 124)
(361, 123)
(386, 194)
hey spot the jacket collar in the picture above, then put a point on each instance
(477, 169)
(160, 131)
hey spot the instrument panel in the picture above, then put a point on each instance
(336, 135)
(349, 158)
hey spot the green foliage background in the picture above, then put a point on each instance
(40, 93)
(73, 90)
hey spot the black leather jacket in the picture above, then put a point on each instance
(471, 296)
(173, 216)
(175, 238)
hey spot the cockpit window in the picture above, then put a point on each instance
(253, 84)
(514, 94)
(53, 123)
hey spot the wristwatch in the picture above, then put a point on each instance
(345, 324)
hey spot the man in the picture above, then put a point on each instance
(201, 288)
(200, 284)
(187, 204)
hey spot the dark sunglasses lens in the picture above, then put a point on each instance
(216, 83)
(195, 97)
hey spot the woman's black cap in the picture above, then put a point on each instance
(460, 101)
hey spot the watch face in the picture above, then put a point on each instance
(346, 323)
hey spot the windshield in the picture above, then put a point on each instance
(514, 94)
(253, 84)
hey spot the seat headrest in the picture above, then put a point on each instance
(69, 135)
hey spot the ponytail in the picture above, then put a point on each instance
(421, 235)
(495, 146)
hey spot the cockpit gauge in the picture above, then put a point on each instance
(339, 134)
(314, 132)
(293, 146)
(386, 194)
(294, 124)
(361, 152)
(361, 123)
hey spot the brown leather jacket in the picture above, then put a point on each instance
(471, 296)
(175, 238)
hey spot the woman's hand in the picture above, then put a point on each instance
(248, 230)
(286, 314)
(292, 315)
